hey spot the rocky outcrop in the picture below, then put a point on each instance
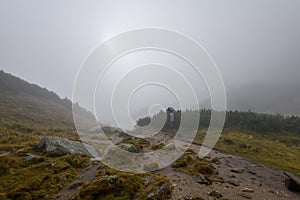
(61, 146)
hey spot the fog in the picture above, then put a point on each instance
(255, 44)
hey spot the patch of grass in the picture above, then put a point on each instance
(279, 151)
(157, 146)
(139, 143)
(190, 163)
(120, 186)
(38, 178)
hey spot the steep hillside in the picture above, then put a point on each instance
(25, 104)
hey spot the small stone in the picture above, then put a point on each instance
(149, 180)
(192, 198)
(252, 172)
(216, 161)
(245, 196)
(249, 190)
(215, 193)
(160, 192)
(112, 179)
(237, 170)
(129, 147)
(202, 180)
(102, 171)
(233, 182)
(75, 185)
(29, 156)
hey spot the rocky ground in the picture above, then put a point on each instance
(233, 177)
(239, 178)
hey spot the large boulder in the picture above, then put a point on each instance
(61, 146)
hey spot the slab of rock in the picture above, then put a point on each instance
(293, 182)
(61, 146)
(75, 185)
(252, 172)
(237, 170)
(249, 190)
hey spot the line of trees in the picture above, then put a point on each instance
(240, 120)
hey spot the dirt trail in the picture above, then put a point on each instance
(238, 179)
(87, 174)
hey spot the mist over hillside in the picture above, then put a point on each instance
(25, 103)
(275, 97)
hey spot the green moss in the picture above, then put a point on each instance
(190, 163)
(39, 178)
(279, 151)
(76, 161)
(157, 146)
(126, 186)
(203, 167)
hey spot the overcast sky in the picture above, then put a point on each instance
(255, 43)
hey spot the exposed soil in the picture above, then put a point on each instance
(252, 180)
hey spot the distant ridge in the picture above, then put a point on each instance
(23, 102)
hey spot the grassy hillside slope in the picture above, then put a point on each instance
(28, 113)
(276, 150)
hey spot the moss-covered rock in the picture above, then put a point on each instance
(61, 146)
(190, 163)
(129, 147)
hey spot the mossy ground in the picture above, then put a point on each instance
(190, 163)
(38, 178)
(140, 143)
(126, 186)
